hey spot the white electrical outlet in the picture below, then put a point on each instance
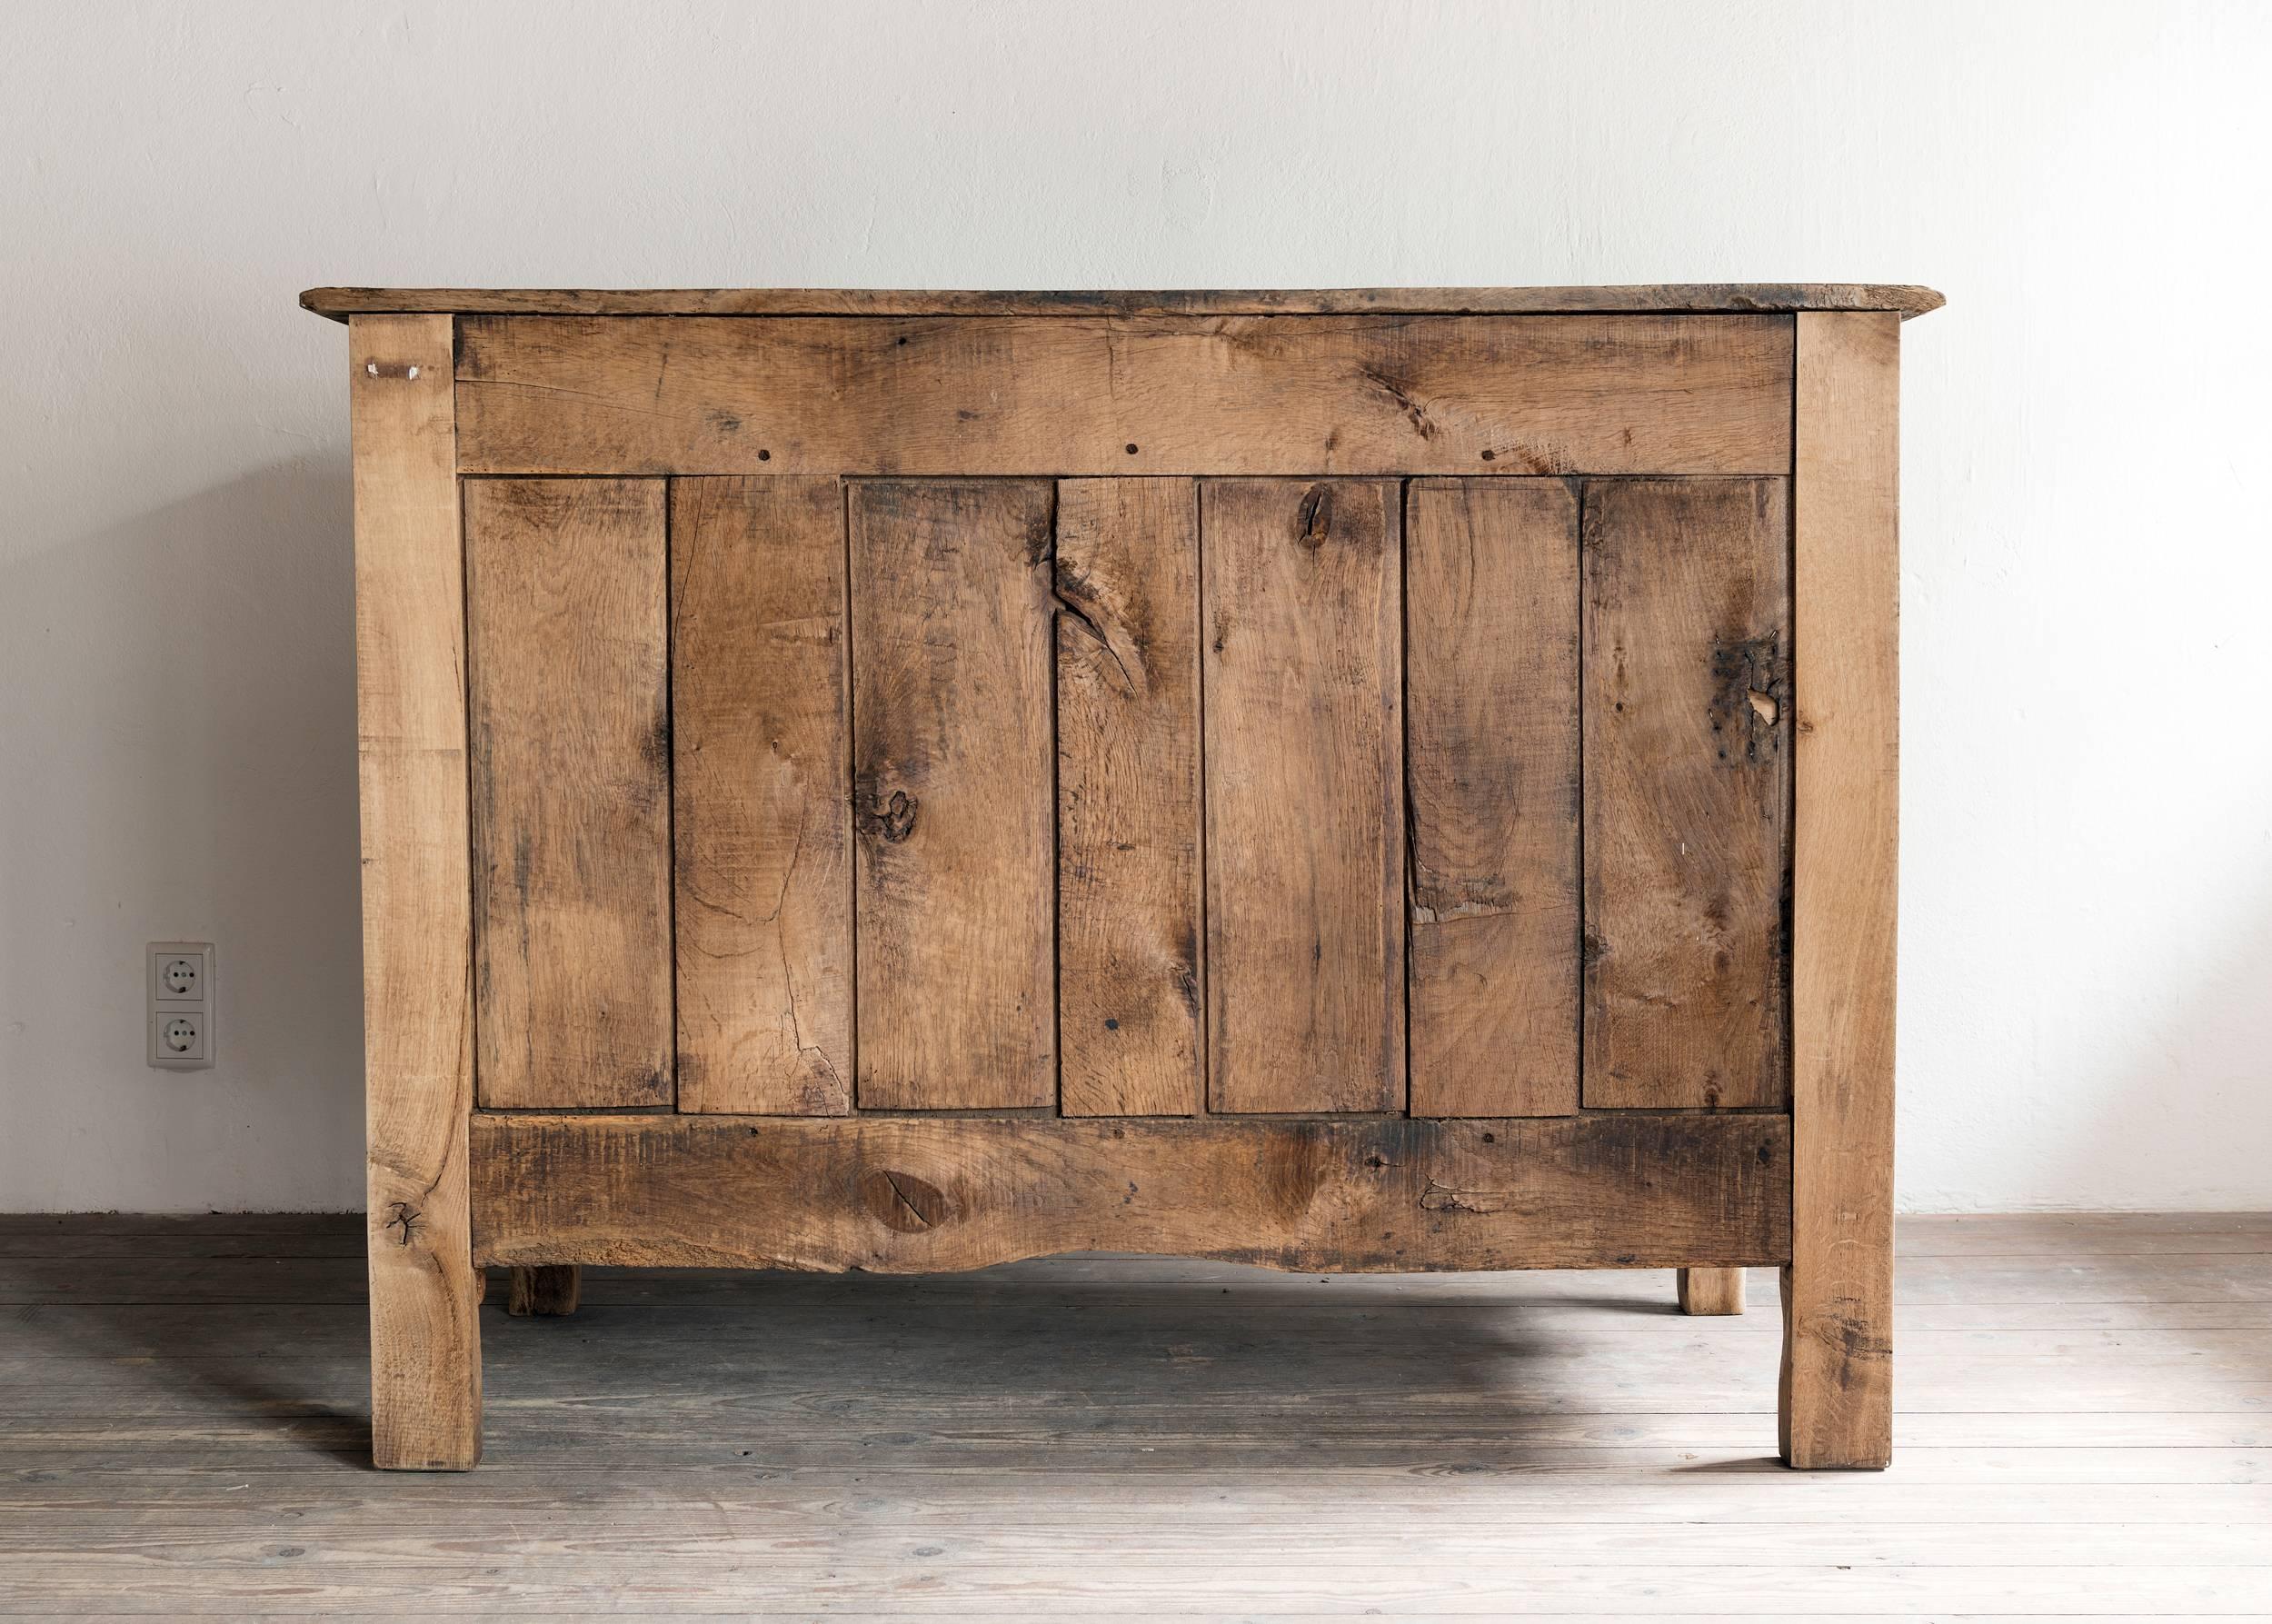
(180, 995)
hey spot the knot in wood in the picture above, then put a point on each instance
(895, 820)
(404, 1216)
(903, 1202)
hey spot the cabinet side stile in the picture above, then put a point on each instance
(416, 864)
(1837, 1400)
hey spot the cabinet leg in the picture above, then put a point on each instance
(417, 929)
(426, 1344)
(1836, 1408)
(1711, 1291)
(1838, 1288)
(549, 1289)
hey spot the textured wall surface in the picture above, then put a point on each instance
(2086, 967)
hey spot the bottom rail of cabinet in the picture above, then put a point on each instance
(926, 1194)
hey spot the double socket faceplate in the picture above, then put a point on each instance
(180, 982)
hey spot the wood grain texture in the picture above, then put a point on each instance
(1288, 395)
(1838, 1297)
(1711, 1291)
(760, 795)
(1491, 781)
(1686, 792)
(953, 749)
(1127, 798)
(910, 1194)
(1724, 297)
(571, 793)
(1305, 826)
(418, 941)
(543, 1291)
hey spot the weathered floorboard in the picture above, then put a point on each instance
(762, 813)
(904, 1194)
(1065, 1433)
(1491, 772)
(417, 927)
(572, 791)
(1686, 792)
(1286, 395)
(951, 739)
(1127, 798)
(1305, 825)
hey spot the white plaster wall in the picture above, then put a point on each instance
(2086, 967)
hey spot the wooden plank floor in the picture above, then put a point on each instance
(2085, 1431)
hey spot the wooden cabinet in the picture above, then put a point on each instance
(1364, 780)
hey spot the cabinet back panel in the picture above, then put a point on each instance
(1132, 797)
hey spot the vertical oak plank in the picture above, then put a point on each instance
(570, 740)
(1711, 1291)
(762, 816)
(1128, 797)
(952, 813)
(1686, 694)
(1838, 1292)
(1305, 826)
(417, 944)
(1491, 772)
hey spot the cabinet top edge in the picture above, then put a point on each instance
(1657, 298)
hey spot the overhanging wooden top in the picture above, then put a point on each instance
(1737, 297)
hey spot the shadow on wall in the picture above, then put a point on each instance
(177, 700)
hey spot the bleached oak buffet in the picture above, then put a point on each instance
(1362, 780)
